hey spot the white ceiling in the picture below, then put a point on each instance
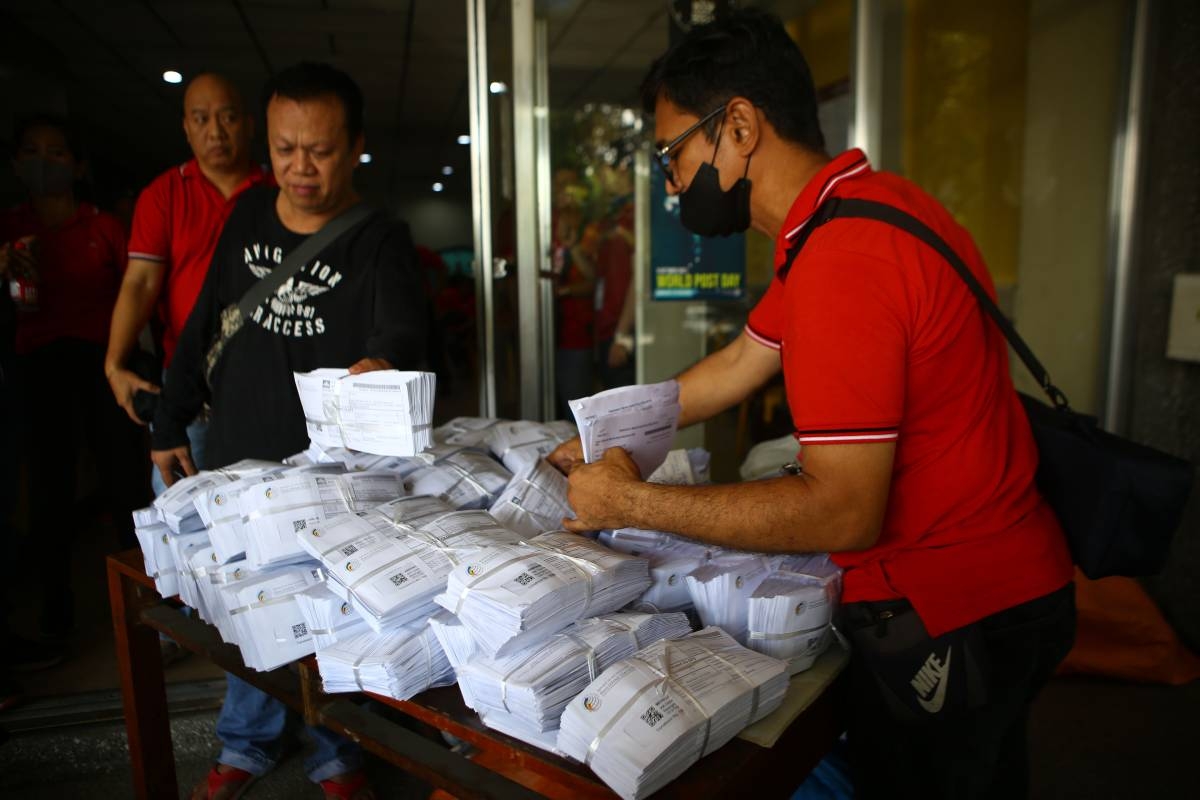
(101, 61)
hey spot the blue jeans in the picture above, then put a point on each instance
(251, 726)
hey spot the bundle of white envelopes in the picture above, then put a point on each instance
(534, 502)
(511, 596)
(401, 664)
(646, 719)
(462, 476)
(386, 412)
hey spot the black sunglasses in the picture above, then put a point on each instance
(663, 154)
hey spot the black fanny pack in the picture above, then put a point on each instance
(922, 678)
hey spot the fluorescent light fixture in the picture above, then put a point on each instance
(447, 170)
(365, 158)
(437, 187)
(464, 138)
(498, 87)
(171, 76)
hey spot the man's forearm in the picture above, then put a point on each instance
(134, 306)
(724, 378)
(778, 515)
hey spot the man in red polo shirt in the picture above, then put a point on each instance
(176, 224)
(917, 464)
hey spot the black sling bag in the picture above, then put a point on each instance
(1119, 502)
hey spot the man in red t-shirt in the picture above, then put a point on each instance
(918, 462)
(176, 223)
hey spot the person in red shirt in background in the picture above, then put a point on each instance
(917, 468)
(176, 223)
(615, 301)
(61, 261)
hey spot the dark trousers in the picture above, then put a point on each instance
(65, 408)
(977, 748)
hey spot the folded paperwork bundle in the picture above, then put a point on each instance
(328, 616)
(642, 419)
(175, 506)
(154, 537)
(222, 517)
(399, 664)
(386, 412)
(274, 511)
(266, 620)
(535, 500)
(462, 476)
(522, 443)
(390, 562)
(537, 683)
(672, 558)
(721, 589)
(352, 460)
(466, 431)
(513, 596)
(790, 612)
(182, 548)
(648, 718)
(684, 468)
(214, 610)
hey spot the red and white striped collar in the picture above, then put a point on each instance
(850, 164)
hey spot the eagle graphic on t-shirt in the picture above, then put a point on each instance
(292, 291)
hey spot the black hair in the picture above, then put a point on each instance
(308, 80)
(742, 53)
(45, 120)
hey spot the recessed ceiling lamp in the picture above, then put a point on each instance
(437, 187)
(447, 170)
(171, 76)
(365, 158)
(464, 138)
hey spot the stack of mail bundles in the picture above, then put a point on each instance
(176, 507)
(512, 596)
(462, 476)
(520, 444)
(276, 510)
(214, 610)
(648, 718)
(401, 664)
(466, 431)
(390, 562)
(385, 412)
(267, 624)
(535, 500)
(328, 616)
(790, 613)
(536, 684)
(721, 589)
(641, 419)
(154, 537)
(672, 558)
(221, 514)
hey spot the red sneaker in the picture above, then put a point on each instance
(229, 784)
(351, 786)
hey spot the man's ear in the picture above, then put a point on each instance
(743, 125)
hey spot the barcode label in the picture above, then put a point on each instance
(298, 525)
(300, 631)
(349, 550)
(399, 579)
(524, 579)
(652, 716)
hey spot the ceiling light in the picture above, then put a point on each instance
(447, 170)
(437, 187)
(464, 138)
(365, 158)
(498, 87)
(171, 76)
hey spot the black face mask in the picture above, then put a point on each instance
(705, 210)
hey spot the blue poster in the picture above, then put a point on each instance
(684, 266)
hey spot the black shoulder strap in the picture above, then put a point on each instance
(305, 252)
(835, 208)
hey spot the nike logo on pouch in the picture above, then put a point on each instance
(930, 682)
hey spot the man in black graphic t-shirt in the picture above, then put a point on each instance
(359, 304)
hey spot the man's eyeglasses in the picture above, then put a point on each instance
(663, 154)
